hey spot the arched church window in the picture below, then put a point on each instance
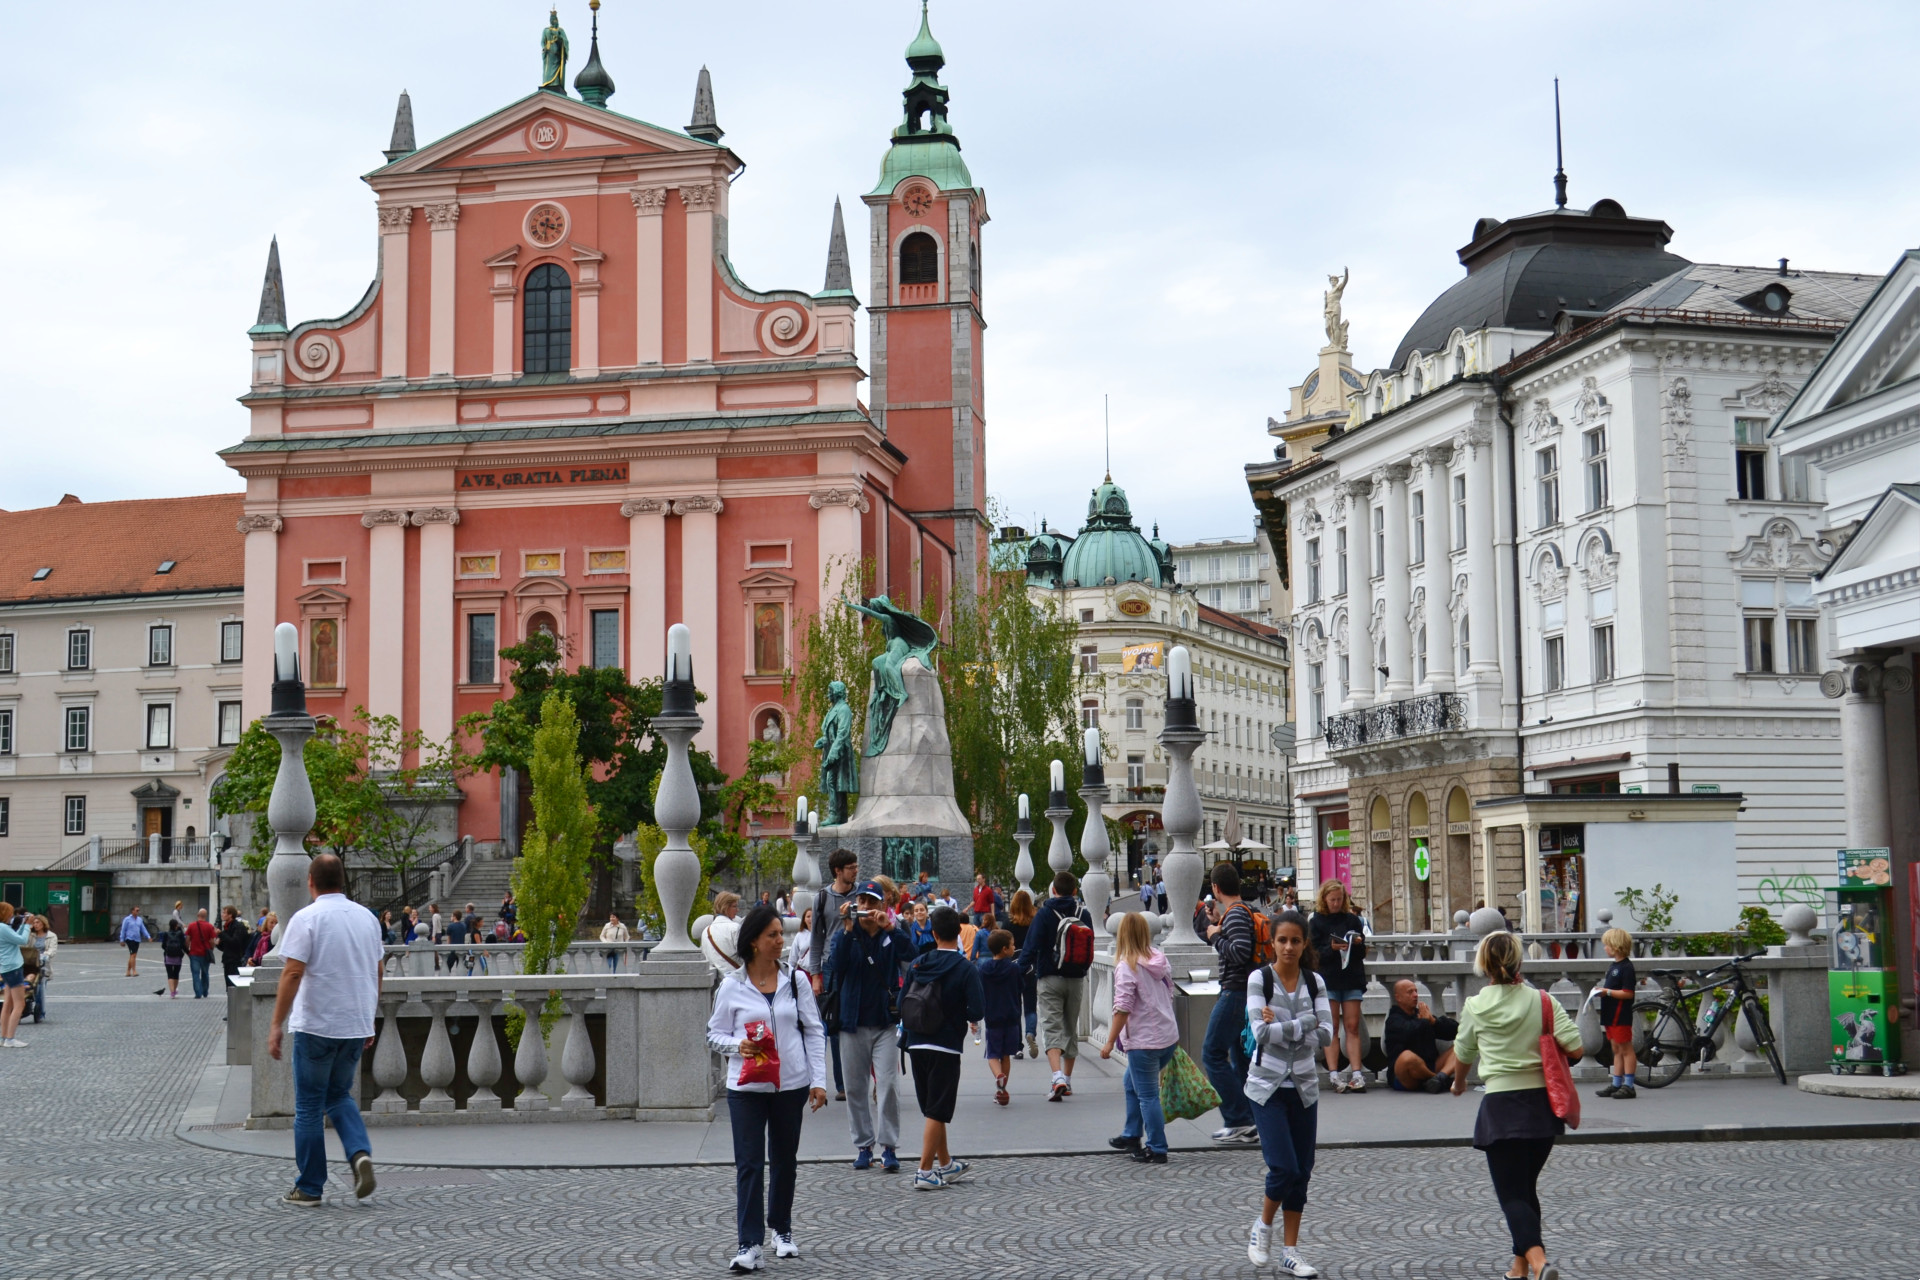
(919, 259)
(547, 328)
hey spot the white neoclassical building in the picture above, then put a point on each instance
(1551, 551)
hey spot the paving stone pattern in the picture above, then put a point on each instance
(97, 1185)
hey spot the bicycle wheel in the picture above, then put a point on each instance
(1668, 1045)
(1763, 1033)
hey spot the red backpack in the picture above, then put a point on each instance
(1072, 948)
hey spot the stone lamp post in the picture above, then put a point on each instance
(676, 872)
(1059, 853)
(1023, 836)
(290, 809)
(1094, 846)
(1180, 814)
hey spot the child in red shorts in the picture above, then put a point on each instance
(1616, 1012)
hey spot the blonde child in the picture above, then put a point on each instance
(1616, 1012)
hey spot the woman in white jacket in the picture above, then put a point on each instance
(1290, 1020)
(763, 990)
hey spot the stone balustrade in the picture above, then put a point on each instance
(426, 959)
(629, 1045)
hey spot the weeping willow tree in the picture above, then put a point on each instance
(1006, 669)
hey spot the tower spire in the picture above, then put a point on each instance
(273, 295)
(1559, 161)
(595, 86)
(704, 124)
(402, 144)
(839, 268)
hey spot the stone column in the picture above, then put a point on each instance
(1530, 855)
(440, 311)
(1863, 744)
(1360, 661)
(439, 646)
(676, 807)
(647, 570)
(1023, 864)
(701, 202)
(1396, 589)
(386, 609)
(1436, 578)
(1180, 867)
(1473, 449)
(262, 558)
(394, 222)
(1095, 847)
(290, 807)
(648, 203)
(838, 534)
(700, 596)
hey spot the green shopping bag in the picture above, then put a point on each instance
(1184, 1091)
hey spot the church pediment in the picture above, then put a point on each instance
(1880, 349)
(543, 126)
(1888, 538)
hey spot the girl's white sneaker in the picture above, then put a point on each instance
(1260, 1244)
(1293, 1264)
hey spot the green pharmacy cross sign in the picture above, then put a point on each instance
(1422, 864)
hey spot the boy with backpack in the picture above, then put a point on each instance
(943, 995)
(1059, 953)
(1244, 940)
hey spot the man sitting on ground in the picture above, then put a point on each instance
(1412, 1043)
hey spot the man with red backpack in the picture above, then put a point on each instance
(1059, 953)
(1244, 942)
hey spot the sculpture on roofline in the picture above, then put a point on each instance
(1336, 327)
(553, 55)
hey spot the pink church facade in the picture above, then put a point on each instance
(558, 408)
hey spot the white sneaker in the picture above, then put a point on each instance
(1224, 1135)
(1357, 1082)
(1260, 1244)
(1293, 1264)
(784, 1247)
(748, 1259)
(929, 1180)
(952, 1173)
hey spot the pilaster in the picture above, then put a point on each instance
(647, 567)
(386, 609)
(262, 577)
(701, 203)
(438, 644)
(648, 205)
(1396, 589)
(394, 221)
(443, 218)
(700, 595)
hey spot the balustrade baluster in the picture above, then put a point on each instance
(436, 1063)
(389, 1064)
(576, 1060)
(483, 1056)
(530, 1062)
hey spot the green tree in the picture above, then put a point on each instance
(550, 876)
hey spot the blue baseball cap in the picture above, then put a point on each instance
(871, 889)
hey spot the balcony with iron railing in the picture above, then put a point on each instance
(1392, 721)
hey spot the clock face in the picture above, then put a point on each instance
(918, 200)
(546, 225)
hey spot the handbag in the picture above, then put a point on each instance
(1553, 1064)
(1184, 1091)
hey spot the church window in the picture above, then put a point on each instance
(323, 668)
(547, 332)
(605, 626)
(769, 640)
(919, 259)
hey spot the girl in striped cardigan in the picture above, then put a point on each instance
(1290, 1021)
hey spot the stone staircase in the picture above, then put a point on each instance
(483, 886)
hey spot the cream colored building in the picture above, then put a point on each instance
(120, 657)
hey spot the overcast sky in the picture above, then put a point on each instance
(1169, 186)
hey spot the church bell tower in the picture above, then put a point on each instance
(928, 394)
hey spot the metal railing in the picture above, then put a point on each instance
(1409, 717)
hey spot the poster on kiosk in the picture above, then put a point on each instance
(1863, 997)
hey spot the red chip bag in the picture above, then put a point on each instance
(760, 1069)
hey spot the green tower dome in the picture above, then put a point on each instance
(1110, 548)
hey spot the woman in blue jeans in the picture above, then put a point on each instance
(1290, 1019)
(1144, 1026)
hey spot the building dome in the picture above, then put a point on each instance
(1046, 554)
(1110, 549)
(1523, 272)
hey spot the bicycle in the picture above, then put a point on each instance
(1680, 1033)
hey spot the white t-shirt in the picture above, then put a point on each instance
(338, 940)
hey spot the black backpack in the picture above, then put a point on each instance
(923, 1009)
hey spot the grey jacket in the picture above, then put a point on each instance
(826, 915)
(1287, 1048)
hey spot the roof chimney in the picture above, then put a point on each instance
(67, 499)
(1783, 266)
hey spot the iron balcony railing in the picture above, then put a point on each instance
(1410, 717)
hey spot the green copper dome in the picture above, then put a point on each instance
(1110, 549)
(924, 47)
(924, 144)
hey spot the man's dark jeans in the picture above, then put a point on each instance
(1225, 1064)
(199, 965)
(325, 1075)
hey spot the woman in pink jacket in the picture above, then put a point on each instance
(1143, 1025)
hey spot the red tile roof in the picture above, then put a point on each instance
(106, 549)
(1234, 622)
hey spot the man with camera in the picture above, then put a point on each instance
(864, 963)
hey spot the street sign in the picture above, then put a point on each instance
(1706, 788)
(1293, 842)
(1422, 864)
(57, 897)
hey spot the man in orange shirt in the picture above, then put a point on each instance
(201, 940)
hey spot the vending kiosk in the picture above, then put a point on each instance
(1863, 985)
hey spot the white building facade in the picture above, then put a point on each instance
(1551, 551)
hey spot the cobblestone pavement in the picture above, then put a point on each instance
(96, 1184)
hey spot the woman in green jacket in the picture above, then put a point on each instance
(1500, 1030)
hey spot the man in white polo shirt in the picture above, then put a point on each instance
(331, 988)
